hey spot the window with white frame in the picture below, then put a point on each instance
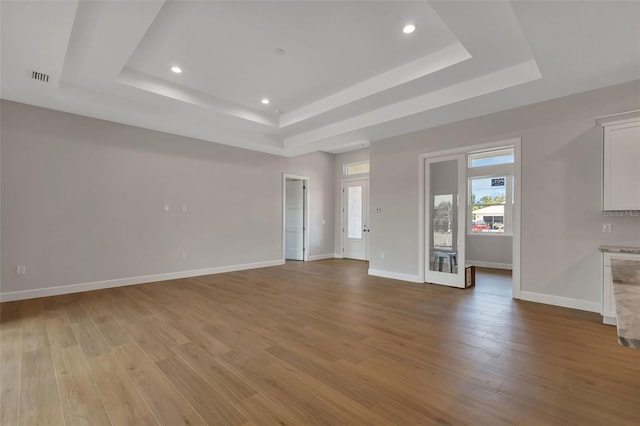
(361, 167)
(490, 179)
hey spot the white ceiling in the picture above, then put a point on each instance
(348, 75)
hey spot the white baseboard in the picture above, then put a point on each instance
(321, 256)
(120, 282)
(566, 302)
(493, 265)
(395, 275)
(337, 255)
(609, 320)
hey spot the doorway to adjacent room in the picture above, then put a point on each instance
(295, 217)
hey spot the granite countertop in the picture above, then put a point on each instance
(626, 288)
(620, 249)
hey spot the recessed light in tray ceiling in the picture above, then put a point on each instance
(408, 29)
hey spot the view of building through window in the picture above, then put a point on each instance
(491, 191)
(488, 199)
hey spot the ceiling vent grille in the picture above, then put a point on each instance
(40, 76)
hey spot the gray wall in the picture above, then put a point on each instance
(82, 201)
(489, 250)
(495, 250)
(561, 181)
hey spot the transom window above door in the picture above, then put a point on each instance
(358, 168)
(491, 157)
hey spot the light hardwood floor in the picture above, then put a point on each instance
(311, 343)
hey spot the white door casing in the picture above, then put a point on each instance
(306, 208)
(445, 219)
(355, 219)
(294, 220)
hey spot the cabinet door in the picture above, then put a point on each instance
(608, 297)
(621, 171)
(608, 300)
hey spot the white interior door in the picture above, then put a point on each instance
(445, 220)
(294, 220)
(355, 219)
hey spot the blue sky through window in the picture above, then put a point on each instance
(482, 187)
(492, 161)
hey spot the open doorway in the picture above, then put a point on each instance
(490, 216)
(488, 213)
(295, 217)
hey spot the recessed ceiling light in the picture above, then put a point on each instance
(177, 70)
(265, 101)
(408, 29)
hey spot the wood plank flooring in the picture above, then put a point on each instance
(311, 343)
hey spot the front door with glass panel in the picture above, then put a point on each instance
(355, 219)
(445, 200)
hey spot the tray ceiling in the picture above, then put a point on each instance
(338, 75)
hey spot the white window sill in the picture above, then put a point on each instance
(490, 234)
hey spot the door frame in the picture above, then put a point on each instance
(342, 224)
(305, 213)
(517, 202)
(447, 278)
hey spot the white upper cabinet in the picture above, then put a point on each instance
(621, 168)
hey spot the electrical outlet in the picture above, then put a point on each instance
(21, 269)
(606, 227)
(185, 255)
(381, 255)
(185, 208)
(166, 207)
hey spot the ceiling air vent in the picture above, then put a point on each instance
(40, 76)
